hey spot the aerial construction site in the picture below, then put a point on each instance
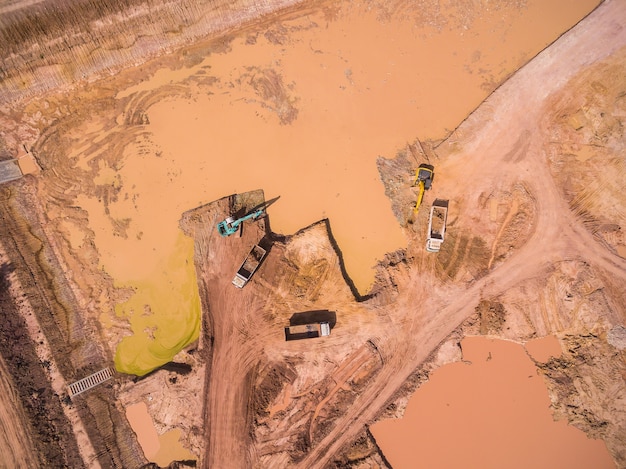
(378, 234)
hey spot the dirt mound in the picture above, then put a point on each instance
(492, 317)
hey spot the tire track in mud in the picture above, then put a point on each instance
(340, 377)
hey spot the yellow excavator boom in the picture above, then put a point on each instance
(423, 179)
(420, 196)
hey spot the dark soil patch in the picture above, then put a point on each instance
(272, 381)
(51, 431)
(492, 316)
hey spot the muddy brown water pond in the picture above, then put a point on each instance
(161, 449)
(490, 411)
(543, 348)
(301, 109)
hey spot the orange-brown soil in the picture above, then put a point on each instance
(534, 247)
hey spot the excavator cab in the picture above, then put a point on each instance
(231, 225)
(423, 180)
(227, 227)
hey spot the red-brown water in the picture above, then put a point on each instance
(161, 449)
(363, 83)
(489, 411)
(544, 348)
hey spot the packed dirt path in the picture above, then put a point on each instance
(234, 352)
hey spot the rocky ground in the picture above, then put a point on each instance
(534, 246)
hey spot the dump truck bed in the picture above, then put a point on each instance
(437, 225)
(249, 266)
(307, 331)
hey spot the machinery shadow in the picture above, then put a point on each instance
(314, 316)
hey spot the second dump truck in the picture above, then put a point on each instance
(250, 265)
(307, 331)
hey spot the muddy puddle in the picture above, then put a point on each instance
(489, 411)
(160, 449)
(544, 348)
(301, 109)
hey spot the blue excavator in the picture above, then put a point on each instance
(231, 225)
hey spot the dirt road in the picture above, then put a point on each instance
(232, 358)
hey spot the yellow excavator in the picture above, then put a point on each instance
(423, 180)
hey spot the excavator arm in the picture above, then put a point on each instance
(420, 195)
(423, 180)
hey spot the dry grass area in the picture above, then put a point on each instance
(100, 38)
(534, 246)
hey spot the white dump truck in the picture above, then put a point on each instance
(307, 331)
(249, 266)
(437, 225)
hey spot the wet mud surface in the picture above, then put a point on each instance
(533, 247)
(494, 399)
